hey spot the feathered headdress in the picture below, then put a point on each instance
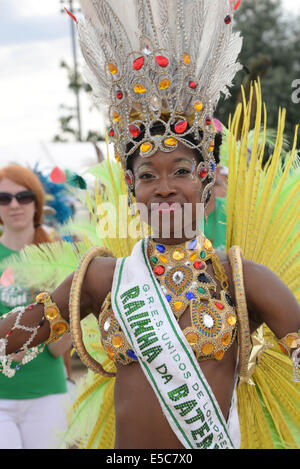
(160, 67)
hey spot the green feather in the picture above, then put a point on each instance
(45, 266)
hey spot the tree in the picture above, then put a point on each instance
(271, 51)
(66, 122)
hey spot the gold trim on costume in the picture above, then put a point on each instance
(74, 306)
(235, 258)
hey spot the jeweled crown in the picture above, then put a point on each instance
(160, 64)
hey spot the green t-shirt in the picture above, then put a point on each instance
(215, 229)
(42, 376)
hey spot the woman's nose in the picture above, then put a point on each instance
(14, 202)
(164, 187)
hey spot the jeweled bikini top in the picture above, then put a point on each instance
(181, 271)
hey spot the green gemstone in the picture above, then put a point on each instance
(122, 357)
(154, 260)
(202, 290)
(203, 254)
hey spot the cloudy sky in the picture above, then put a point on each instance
(34, 38)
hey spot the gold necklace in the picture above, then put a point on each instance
(181, 271)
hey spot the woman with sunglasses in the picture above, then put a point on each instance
(31, 404)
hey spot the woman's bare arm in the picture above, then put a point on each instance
(97, 283)
(269, 300)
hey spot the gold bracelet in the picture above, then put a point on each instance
(290, 342)
(58, 325)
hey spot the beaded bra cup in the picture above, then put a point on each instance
(181, 272)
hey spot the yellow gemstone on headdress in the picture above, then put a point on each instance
(186, 59)
(116, 117)
(211, 146)
(60, 328)
(112, 68)
(171, 142)
(198, 106)
(164, 84)
(177, 305)
(117, 157)
(178, 255)
(207, 244)
(231, 320)
(139, 88)
(207, 348)
(145, 147)
(117, 341)
(192, 338)
(51, 312)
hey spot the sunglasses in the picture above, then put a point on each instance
(23, 198)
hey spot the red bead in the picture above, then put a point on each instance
(128, 179)
(119, 94)
(159, 270)
(208, 121)
(227, 19)
(219, 305)
(203, 173)
(134, 130)
(111, 133)
(193, 85)
(162, 61)
(10, 333)
(138, 63)
(198, 265)
(180, 127)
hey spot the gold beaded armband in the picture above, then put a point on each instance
(58, 325)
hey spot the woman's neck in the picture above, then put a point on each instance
(175, 241)
(17, 240)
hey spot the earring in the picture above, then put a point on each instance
(129, 178)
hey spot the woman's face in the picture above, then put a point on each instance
(15, 216)
(168, 186)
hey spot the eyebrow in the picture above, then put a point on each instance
(177, 160)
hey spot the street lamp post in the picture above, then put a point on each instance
(74, 50)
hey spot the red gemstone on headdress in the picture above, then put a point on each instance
(208, 121)
(193, 85)
(159, 270)
(227, 19)
(219, 305)
(138, 63)
(111, 133)
(119, 94)
(203, 173)
(198, 265)
(237, 4)
(162, 61)
(180, 127)
(134, 131)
